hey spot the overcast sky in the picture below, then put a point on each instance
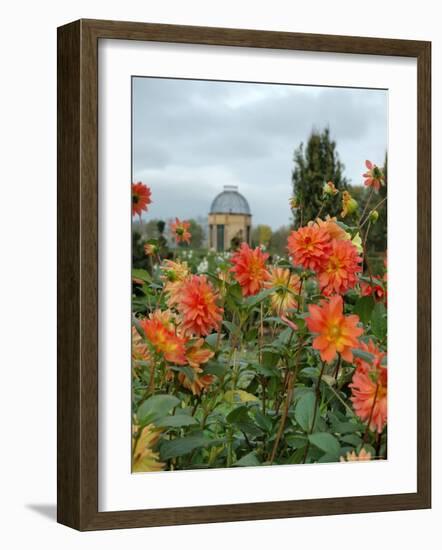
(193, 137)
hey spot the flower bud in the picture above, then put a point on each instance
(294, 203)
(349, 204)
(329, 189)
(373, 216)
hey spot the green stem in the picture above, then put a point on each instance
(318, 394)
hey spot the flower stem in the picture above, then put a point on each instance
(291, 379)
(318, 394)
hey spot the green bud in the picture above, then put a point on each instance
(373, 216)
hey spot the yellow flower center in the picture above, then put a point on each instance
(334, 332)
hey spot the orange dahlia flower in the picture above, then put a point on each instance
(332, 228)
(173, 275)
(286, 284)
(376, 290)
(374, 177)
(369, 391)
(197, 354)
(140, 350)
(160, 332)
(180, 231)
(309, 246)
(141, 198)
(197, 304)
(249, 269)
(340, 270)
(336, 333)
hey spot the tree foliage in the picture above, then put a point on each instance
(315, 164)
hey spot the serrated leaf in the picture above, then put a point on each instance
(248, 460)
(326, 442)
(379, 321)
(239, 396)
(346, 427)
(156, 407)
(270, 359)
(182, 446)
(364, 307)
(254, 300)
(216, 368)
(187, 371)
(263, 421)
(351, 439)
(176, 421)
(364, 355)
(296, 441)
(141, 274)
(212, 339)
(304, 410)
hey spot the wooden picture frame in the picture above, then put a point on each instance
(78, 273)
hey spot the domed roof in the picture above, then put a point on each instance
(230, 201)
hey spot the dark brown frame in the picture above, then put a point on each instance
(78, 273)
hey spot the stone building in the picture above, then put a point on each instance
(230, 220)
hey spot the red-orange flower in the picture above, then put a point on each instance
(197, 354)
(141, 198)
(160, 332)
(369, 389)
(376, 290)
(374, 177)
(332, 228)
(249, 269)
(180, 231)
(173, 275)
(197, 304)
(340, 269)
(336, 333)
(309, 246)
(140, 350)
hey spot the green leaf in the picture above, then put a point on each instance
(364, 355)
(363, 307)
(263, 421)
(141, 274)
(254, 300)
(156, 407)
(304, 410)
(326, 442)
(177, 421)
(238, 414)
(248, 460)
(188, 371)
(212, 339)
(296, 441)
(216, 368)
(270, 359)
(379, 321)
(346, 427)
(352, 439)
(232, 328)
(239, 396)
(182, 446)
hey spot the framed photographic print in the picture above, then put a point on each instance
(227, 346)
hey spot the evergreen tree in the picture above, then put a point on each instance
(377, 238)
(316, 164)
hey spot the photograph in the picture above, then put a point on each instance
(259, 274)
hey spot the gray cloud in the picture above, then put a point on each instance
(192, 137)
